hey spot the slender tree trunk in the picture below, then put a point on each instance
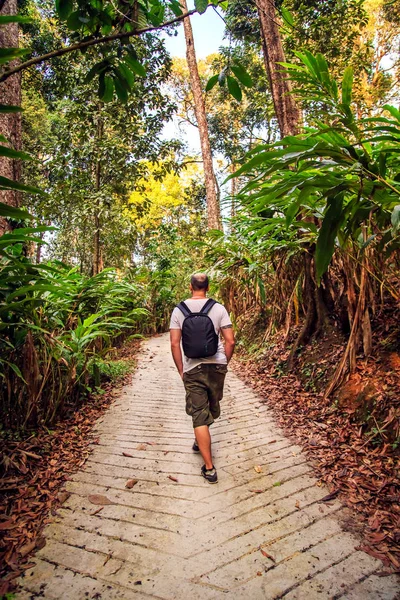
(234, 187)
(39, 251)
(286, 110)
(213, 209)
(96, 246)
(10, 124)
(311, 317)
(97, 253)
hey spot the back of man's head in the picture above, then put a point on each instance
(199, 281)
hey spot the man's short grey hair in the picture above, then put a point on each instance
(199, 281)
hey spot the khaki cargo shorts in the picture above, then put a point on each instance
(204, 387)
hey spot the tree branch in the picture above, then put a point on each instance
(92, 42)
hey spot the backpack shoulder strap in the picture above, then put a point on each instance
(208, 306)
(183, 307)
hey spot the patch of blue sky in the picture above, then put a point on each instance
(208, 34)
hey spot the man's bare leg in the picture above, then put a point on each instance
(203, 439)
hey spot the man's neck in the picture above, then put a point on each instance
(198, 296)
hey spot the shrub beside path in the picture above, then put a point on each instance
(262, 532)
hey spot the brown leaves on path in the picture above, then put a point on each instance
(99, 499)
(267, 555)
(130, 483)
(32, 471)
(330, 496)
(363, 473)
(96, 512)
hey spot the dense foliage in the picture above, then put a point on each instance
(319, 225)
(311, 239)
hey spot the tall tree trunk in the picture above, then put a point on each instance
(10, 124)
(97, 258)
(286, 110)
(97, 252)
(213, 209)
(234, 186)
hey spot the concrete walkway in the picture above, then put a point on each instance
(262, 532)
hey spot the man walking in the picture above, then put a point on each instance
(198, 323)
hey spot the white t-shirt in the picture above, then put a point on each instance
(220, 318)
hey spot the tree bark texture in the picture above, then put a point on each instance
(97, 250)
(10, 124)
(287, 112)
(213, 209)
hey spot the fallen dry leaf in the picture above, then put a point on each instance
(27, 548)
(99, 499)
(330, 496)
(40, 542)
(96, 512)
(63, 496)
(267, 555)
(127, 454)
(257, 491)
(259, 574)
(32, 455)
(141, 447)
(297, 504)
(258, 469)
(172, 478)
(130, 483)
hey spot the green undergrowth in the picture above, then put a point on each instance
(60, 328)
(112, 370)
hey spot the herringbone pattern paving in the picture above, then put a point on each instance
(173, 536)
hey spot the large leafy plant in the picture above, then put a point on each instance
(330, 197)
(340, 179)
(53, 322)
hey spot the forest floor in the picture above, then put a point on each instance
(34, 468)
(138, 521)
(351, 438)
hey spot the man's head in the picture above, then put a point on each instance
(199, 282)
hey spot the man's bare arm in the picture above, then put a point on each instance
(175, 337)
(229, 339)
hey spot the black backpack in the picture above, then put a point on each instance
(199, 339)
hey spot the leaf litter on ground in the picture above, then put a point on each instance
(99, 499)
(364, 476)
(130, 483)
(264, 553)
(33, 472)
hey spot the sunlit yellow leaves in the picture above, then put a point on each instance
(156, 198)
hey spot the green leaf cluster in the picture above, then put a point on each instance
(233, 77)
(334, 180)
